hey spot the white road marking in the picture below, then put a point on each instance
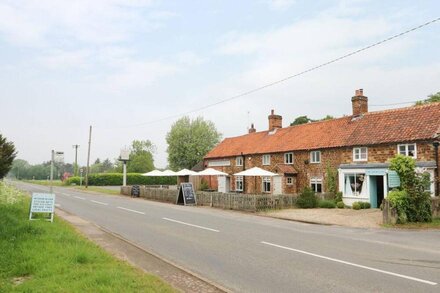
(99, 202)
(65, 194)
(57, 205)
(192, 225)
(352, 264)
(142, 213)
(79, 197)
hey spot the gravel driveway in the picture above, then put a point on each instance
(369, 218)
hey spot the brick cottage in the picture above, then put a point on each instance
(356, 148)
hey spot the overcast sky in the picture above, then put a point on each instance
(113, 64)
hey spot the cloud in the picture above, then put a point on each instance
(280, 5)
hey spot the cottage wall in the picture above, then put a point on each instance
(330, 158)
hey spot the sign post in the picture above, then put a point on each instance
(42, 203)
(186, 194)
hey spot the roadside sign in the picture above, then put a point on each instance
(42, 203)
(186, 194)
(59, 157)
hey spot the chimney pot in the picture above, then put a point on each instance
(359, 103)
(275, 121)
(252, 129)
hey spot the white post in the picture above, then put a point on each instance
(51, 171)
(124, 177)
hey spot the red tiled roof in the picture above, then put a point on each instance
(285, 169)
(389, 126)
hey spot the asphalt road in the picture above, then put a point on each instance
(247, 253)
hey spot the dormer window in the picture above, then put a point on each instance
(409, 149)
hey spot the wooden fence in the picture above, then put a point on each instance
(230, 201)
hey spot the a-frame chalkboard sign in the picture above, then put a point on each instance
(186, 194)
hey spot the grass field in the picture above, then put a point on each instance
(39, 256)
(45, 182)
(82, 188)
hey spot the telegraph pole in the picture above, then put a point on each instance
(52, 158)
(75, 167)
(88, 157)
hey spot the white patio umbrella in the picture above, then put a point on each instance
(169, 173)
(211, 172)
(153, 173)
(255, 171)
(186, 172)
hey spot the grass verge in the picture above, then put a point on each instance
(39, 256)
(98, 189)
(45, 182)
(435, 224)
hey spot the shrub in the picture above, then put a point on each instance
(340, 205)
(365, 205)
(104, 179)
(307, 199)
(356, 206)
(400, 201)
(204, 185)
(326, 204)
(338, 196)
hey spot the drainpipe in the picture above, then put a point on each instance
(244, 168)
(437, 179)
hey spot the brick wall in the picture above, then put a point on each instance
(307, 170)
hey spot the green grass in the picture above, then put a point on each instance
(435, 224)
(97, 189)
(45, 182)
(39, 256)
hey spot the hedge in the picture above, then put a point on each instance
(116, 179)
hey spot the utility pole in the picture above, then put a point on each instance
(88, 157)
(51, 171)
(75, 167)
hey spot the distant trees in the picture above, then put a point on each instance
(304, 119)
(189, 141)
(7, 156)
(105, 166)
(141, 156)
(431, 99)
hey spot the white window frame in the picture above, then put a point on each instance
(267, 180)
(239, 179)
(289, 179)
(406, 149)
(239, 161)
(360, 159)
(313, 157)
(316, 181)
(266, 160)
(286, 157)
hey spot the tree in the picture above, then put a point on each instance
(7, 156)
(141, 156)
(107, 166)
(189, 141)
(431, 99)
(301, 120)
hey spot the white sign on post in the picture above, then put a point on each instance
(42, 203)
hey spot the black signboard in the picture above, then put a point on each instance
(135, 191)
(186, 195)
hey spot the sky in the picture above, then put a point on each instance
(126, 66)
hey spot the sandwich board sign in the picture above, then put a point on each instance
(42, 203)
(186, 194)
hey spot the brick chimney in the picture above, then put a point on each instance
(275, 121)
(252, 129)
(359, 103)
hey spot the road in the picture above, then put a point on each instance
(248, 253)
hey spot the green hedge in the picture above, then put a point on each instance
(105, 179)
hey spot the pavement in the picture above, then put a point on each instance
(248, 253)
(368, 218)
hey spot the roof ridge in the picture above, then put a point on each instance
(407, 108)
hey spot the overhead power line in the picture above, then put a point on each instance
(288, 77)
